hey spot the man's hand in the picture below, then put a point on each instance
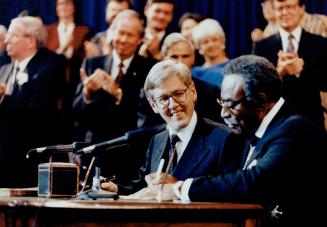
(91, 49)
(256, 35)
(151, 46)
(109, 186)
(151, 179)
(100, 79)
(289, 64)
(153, 193)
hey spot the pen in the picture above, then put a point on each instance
(170, 162)
(159, 170)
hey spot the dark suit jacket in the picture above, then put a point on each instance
(290, 171)
(304, 91)
(103, 117)
(30, 116)
(213, 149)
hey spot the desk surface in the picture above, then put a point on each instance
(125, 211)
(119, 204)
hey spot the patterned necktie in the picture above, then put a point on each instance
(172, 151)
(290, 47)
(120, 73)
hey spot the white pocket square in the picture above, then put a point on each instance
(252, 164)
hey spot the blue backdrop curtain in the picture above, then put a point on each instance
(237, 17)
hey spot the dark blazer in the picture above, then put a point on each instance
(213, 149)
(288, 169)
(30, 116)
(303, 92)
(103, 117)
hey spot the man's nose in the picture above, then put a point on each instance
(224, 113)
(172, 103)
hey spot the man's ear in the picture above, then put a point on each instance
(146, 8)
(193, 91)
(153, 106)
(262, 100)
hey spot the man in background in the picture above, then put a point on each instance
(159, 14)
(298, 56)
(30, 88)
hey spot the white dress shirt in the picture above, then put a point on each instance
(184, 135)
(115, 64)
(295, 41)
(65, 33)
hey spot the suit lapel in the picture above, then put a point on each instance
(131, 71)
(6, 72)
(160, 149)
(196, 150)
(107, 65)
(284, 111)
(276, 45)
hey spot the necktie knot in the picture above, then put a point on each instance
(174, 139)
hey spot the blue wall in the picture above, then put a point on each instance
(238, 17)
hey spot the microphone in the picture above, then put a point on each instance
(58, 148)
(127, 138)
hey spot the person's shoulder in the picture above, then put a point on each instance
(82, 29)
(215, 126)
(51, 27)
(268, 39)
(100, 58)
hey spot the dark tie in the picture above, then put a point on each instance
(120, 73)
(254, 141)
(172, 152)
(290, 47)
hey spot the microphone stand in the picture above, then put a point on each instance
(95, 192)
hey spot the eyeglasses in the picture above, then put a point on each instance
(288, 8)
(230, 104)
(179, 96)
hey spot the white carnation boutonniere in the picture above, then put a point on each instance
(22, 78)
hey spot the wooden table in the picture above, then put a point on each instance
(34, 211)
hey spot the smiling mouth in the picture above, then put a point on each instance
(176, 114)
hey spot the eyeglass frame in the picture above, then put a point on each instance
(230, 109)
(288, 8)
(164, 106)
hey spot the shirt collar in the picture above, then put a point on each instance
(23, 63)
(69, 27)
(268, 118)
(186, 133)
(296, 34)
(116, 60)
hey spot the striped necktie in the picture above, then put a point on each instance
(290, 47)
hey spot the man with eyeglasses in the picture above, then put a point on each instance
(299, 58)
(284, 167)
(204, 147)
